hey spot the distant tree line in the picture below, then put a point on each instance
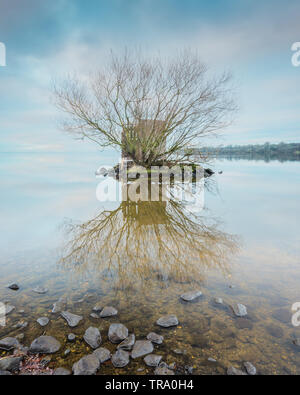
(267, 151)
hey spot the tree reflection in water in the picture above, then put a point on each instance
(141, 241)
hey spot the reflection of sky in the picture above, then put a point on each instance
(47, 39)
(260, 201)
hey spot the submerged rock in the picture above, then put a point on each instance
(155, 338)
(43, 321)
(120, 358)
(92, 337)
(232, 371)
(72, 319)
(103, 354)
(11, 364)
(108, 311)
(9, 343)
(128, 343)
(86, 366)
(191, 296)
(94, 315)
(40, 290)
(13, 287)
(141, 348)
(59, 305)
(153, 360)
(239, 310)
(71, 337)
(251, 369)
(117, 333)
(167, 321)
(61, 372)
(44, 345)
(163, 370)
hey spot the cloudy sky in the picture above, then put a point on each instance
(46, 39)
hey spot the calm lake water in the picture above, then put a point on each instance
(244, 247)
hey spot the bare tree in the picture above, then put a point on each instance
(152, 109)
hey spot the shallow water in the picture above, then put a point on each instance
(139, 258)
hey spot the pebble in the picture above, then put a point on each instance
(72, 319)
(167, 321)
(92, 337)
(71, 337)
(155, 338)
(9, 343)
(128, 343)
(239, 310)
(117, 333)
(13, 286)
(86, 366)
(44, 345)
(108, 311)
(120, 358)
(141, 348)
(191, 296)
(251, 369)
(103, 354)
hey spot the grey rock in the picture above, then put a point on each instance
(251, 369)
(43, 321)
(190, 296)
(9, 343)
(155, 338)
(72, 319)
(44, 345)
(120, 358)
(140, 370)
(67, 352)
(86, 366)
(98, 307)
(153, 360)
(128, 343)
(92, 337)
(13, 286)
(167, 321)
(232, 371)
(103, 354)
(141, 348)
(239, 310)
(117, 333)
(61, 372)
(10, 363)
(40, 290)
(71, 337)
(108, 312)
